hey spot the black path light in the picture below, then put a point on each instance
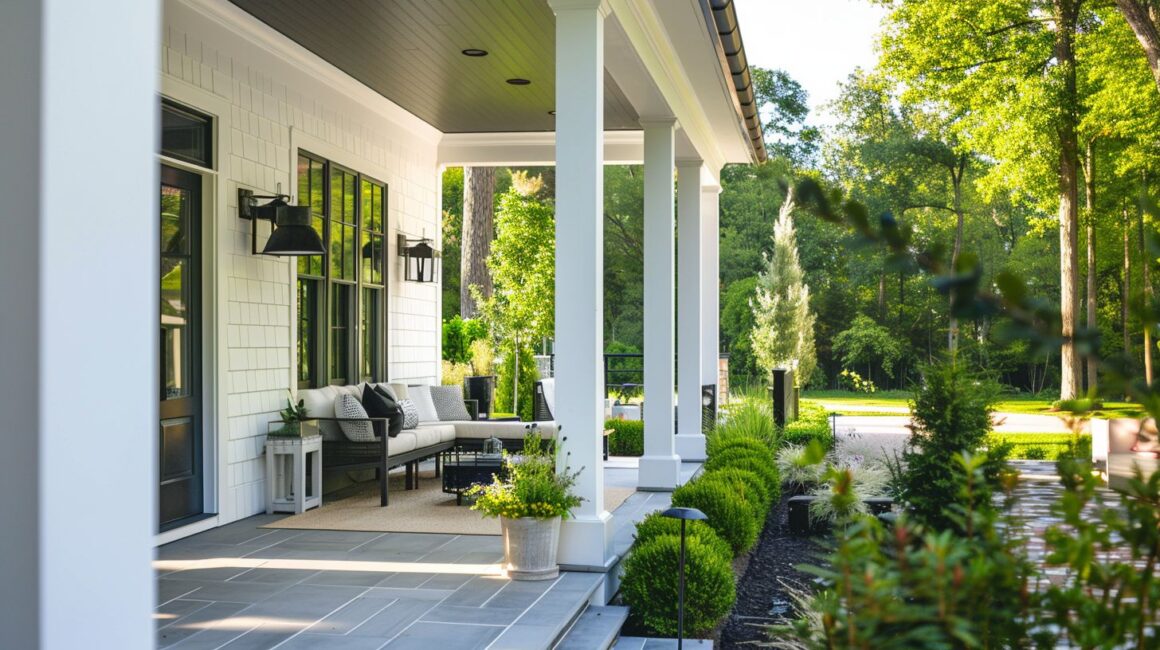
(292, 233)
(684, 514)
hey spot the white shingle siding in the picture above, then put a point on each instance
(270, 97)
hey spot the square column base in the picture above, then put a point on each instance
(586, 543)
(658, 473)
(691, 447)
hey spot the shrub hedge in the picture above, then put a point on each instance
(729, 513)
(627, 437)
(748, 484)
(650, 585)
(1038, 446)
(655, 525)
(812, 424)
(758, 463)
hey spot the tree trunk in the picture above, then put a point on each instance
(1090, 196)
(478, 231)
(1146, 271)
(957, 183)
(1066, 12)
(1144, 20)
(882, 294)
(1126, 285)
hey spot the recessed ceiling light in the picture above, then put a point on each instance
(472, 51)
(518, 82)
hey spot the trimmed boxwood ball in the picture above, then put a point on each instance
(728, 512)
(650, 585)
(759, 465)
(756, 489)
(718, 445)
(655, 525)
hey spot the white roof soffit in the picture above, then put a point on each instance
(532, 149)
(690, 78)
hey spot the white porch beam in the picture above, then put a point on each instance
(691, 239)
(586, 538)
(533, 149)
(659, 468)
(710, 284)
(77, 480)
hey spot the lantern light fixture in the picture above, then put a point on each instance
(421, 261)
(291, 233)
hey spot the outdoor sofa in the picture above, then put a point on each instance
(427, 439)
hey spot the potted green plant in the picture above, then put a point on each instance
(530, 502)
(295, 423)
(480, 385)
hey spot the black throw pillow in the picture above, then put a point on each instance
(380, 405)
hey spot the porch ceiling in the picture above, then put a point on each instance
(410, 51)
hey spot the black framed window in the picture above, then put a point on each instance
(341, 296)
(186, 134)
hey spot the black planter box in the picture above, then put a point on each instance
(799, 513)
(481, 389)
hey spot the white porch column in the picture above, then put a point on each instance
(710, 285)
(586, 539)
(78, 285)
(690, 362)
(660, 468)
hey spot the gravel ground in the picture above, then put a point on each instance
(767, 576)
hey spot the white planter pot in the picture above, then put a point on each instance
(626, 412)
(529, 547)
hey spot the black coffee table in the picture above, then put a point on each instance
(463, 469)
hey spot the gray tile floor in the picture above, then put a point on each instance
(243, 586)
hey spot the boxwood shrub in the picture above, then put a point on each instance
(650, 585)
(719, 445)
(753, 487)
(627, 437)
(655, 525)
(760, 464)
(812, 424)
(730, 515)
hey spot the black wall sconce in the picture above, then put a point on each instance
(291, 233)
(420, 260)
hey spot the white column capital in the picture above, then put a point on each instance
(688, 163)
(658, 122)
(600, 6)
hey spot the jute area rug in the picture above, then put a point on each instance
(426, 510)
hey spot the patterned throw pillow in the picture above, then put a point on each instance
(410, 414)
(449, 403)
(348, 406)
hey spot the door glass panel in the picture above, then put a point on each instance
(175, 294)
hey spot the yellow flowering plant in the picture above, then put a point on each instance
(532, 487)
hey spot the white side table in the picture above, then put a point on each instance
(286, 489)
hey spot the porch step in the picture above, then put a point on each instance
(596, 629)
(545, 623)
(642, 643)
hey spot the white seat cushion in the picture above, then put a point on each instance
(432, 434)
(401, 444)
(319, 403)
(484, 429)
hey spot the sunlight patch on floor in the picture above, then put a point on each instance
(330, 565)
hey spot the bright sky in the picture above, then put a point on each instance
(819, 42)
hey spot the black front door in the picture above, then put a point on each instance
(181, 482)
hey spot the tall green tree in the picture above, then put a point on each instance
(783, 332)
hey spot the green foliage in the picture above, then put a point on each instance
(796, 468)
(482, 357)
(452, 227)
(1039, 446)
(813, 424)
(651, 581)
(627, 437)
(746, 418)
(750, 485)
(528, 376)
(454, 373)
(737, 326)
(952, 416)
(656, 525)
(854, 484)
(624, 371)
(783, 331)
(915, 588)
(458, 337)
(748, 460)
(866, 343)
(533, 487)
(852, 381)
(730, 515)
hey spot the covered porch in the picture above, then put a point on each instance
(388, 94)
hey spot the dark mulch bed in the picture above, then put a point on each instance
(762, 595)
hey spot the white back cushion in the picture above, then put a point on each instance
(319, 402)
(550, 394)
(421, 396)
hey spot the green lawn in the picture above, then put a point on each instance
(836, 399)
